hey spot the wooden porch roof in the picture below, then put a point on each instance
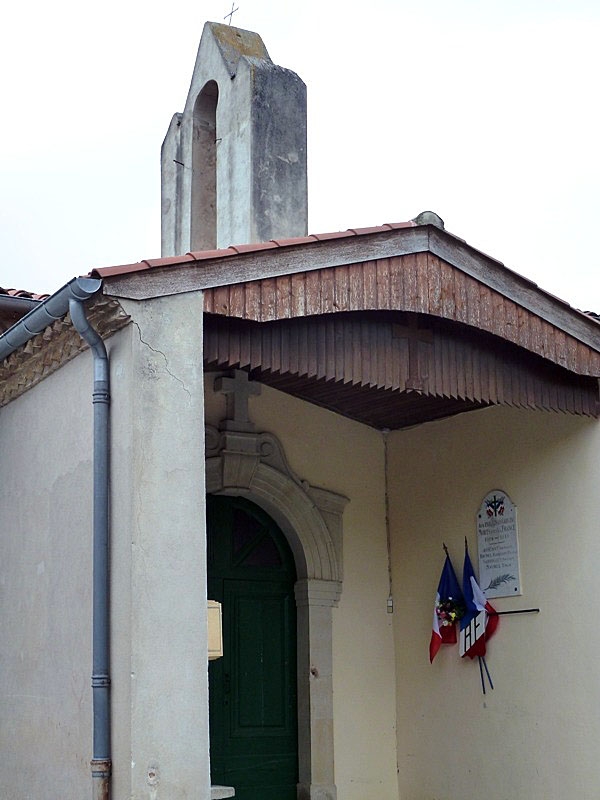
(391, 326)
(393, 369)
(421, 283)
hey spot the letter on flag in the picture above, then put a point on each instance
(476, 626)
(447, 610)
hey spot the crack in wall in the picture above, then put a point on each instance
(160, 352)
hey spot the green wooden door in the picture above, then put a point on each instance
(253, 711)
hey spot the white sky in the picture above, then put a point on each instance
(485, 111)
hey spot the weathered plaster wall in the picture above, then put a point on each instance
(160, 666)
(158, 602)
(336, 454)
(45, 569)
(536, 735)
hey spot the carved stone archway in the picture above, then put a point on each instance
(254, 465)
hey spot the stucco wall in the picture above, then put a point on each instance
(536, 735)
(45, 569)
(159, 639)
(334, 453)
(158, 593)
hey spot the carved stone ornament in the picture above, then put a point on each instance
(254, 465)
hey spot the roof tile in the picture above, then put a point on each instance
(165, 262)
(363, 231)
(121, 269)
(203, 255)
(394, 226)
(294, 240)
(251, 248)
(321, 237)
(23, 293)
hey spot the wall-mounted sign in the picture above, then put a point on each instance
(498, 545)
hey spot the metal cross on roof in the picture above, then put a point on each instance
(232, 12)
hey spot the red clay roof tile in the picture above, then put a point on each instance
(293, 241)
(372, 229)
(321, 237)
(164, 262)
(122, 269)
(23, 293)
(203, 255)
(251, 248)
(394, 226)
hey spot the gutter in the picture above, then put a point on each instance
(71, 299)
(45, 313)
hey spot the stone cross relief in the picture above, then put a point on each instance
(238, 389)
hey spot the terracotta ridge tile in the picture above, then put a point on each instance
(168, 260)
(364, 231)
(322, 237)
(204, 255)
(23, 293)
(398, 225)
(295, 240)
(252, 247)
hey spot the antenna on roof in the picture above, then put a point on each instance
(232, 12)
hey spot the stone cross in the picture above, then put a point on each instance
(238, 389)
(415, 380)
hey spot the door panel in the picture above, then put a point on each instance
(253, 714)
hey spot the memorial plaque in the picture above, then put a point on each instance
(498, 546)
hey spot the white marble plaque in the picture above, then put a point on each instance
(498, 546)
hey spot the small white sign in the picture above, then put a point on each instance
(498, 546)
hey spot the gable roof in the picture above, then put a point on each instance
(406, 266)
(391, 325)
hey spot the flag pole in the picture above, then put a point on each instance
(487, 672)
(515, 611)
(481, 675)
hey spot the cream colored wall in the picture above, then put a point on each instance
(534, 737)
(336, 454)
(45, 598)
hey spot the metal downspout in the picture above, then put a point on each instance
(101, 759)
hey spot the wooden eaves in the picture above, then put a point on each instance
(332, 318)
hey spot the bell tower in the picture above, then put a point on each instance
(233, 164)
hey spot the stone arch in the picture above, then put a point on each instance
(203, 220)
(254, 466)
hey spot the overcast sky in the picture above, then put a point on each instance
(485, 112)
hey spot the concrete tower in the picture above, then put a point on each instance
(233, 164)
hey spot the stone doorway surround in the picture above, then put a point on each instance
(253, 465)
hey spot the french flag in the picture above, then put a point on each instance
(448, 591)
(479, 621)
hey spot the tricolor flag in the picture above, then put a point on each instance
(476, 626)
(447, 609)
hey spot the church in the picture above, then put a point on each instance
(294, 427)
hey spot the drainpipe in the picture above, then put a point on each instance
(101, 758)
(71, 298)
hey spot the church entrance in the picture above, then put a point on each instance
(253, 705)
